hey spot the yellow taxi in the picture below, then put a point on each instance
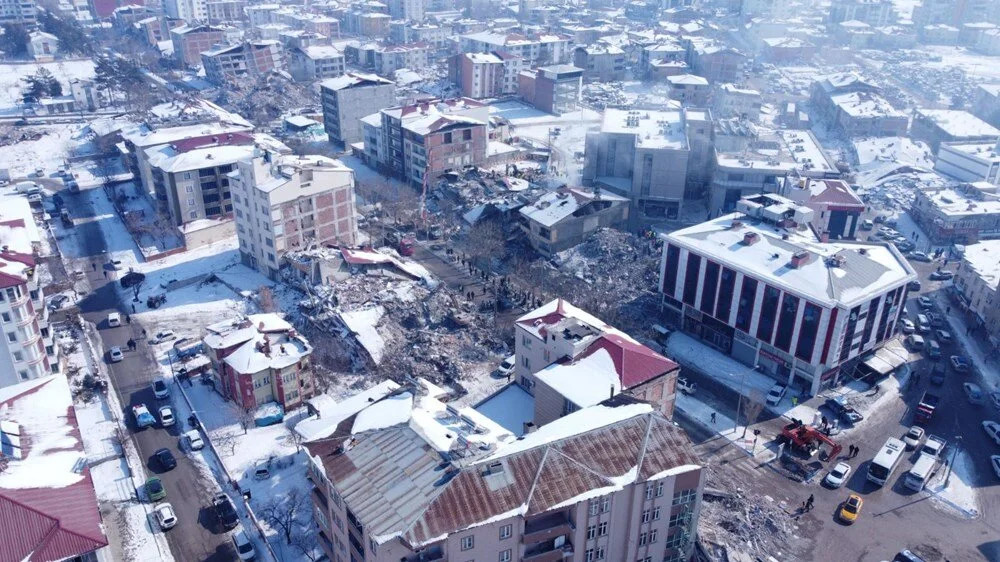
(851, 509)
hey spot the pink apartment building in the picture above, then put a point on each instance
(189, 42)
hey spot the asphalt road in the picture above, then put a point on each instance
(893, 517)
(188, 490)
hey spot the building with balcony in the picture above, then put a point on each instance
(615, 481)
(348, 98)
(235, 62)
(316, 62)
(964, 214)
(689, 89)
(537, 49)
(600, 63)
(554, 89)
(759, 286)
(190, 41)
(286, 202)
(977, 285)
(837, 209)
(260, 359)
(19, 12)
(487, 75)
(855, 107)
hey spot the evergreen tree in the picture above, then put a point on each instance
(14, 40)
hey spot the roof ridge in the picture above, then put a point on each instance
(645, 443)
(538, 473)
(582, 465)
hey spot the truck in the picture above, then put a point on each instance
(142, 416)
(925, 408)
(808, 439)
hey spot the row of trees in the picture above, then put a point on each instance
(120, 77)
(71, 35)
(41, 84)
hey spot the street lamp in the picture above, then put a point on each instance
(954, 456)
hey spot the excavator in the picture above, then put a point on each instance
(806, 438)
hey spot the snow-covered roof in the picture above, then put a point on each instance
(688, 80)
(865, 269)
(652, 129)
(322, 52)
(584, 382)
(954, 203)
(984, 258)
(363, 324)
(557, 205)
(264, 340)
(865, 104)
(169, 160)
(354, 80)
(959, 124)
(331, 413)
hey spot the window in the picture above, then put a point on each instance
(674, 540)
(684, 496)
(748, 300)
(606, 504)
(447, 138)
(656, 514)
(591, 531)
(467, 134)
(659, 489)
(727, 284)
(189, 189)
(18, 356)
(505, 556)
(5, 316)
(599, 553)
(594, 505)
(652, 535)
(505, 531)
(807, 331)
(643, 538)
(768, 313)
(649, 490)
(33, 295)
(190, 201)
(602, 529)
(468, 542)
(691, 278)
(589, 555)
(786, 322)
(645, 516)
(525, 363)
(193, 214)
(11, 337)
(678, 519)
(23, 374)
(709, 285)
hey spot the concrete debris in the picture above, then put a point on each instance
(743, 524)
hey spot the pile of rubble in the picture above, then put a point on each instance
(602, 95)
(743, 524)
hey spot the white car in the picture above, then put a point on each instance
(244, 548)
(167, 416)
(913, 437)
(933, 446)
(160, 389)
(776, 393)
(838, 475)
(165, 516)
(908, 326)
(992, 429)
(194, 440)
(507, 366)
(114, 320)
(115, 354)
(164, 335)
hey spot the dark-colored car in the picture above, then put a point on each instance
(913, 285)
(842, 410)
(941, 275)
(938, 374)
(959, 363)
(166, 459)
(225, 511)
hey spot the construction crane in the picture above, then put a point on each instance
(808, 439)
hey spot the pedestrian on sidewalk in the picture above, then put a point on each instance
(105, 274)
(809, 503)
(94, 265)
(713, 417)
(133, 308)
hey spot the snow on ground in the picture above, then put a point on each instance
(901, 151)
(133, 200)
(12, 75)
(959, 492)
(48, 152)
(724, 426)
(973, 64)
(737, 376)
(511, 408)
(974, 346)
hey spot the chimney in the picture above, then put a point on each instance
(750, 238)
(799, 259)
(529, 427)
(737, 223)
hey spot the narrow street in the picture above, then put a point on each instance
(188, 489)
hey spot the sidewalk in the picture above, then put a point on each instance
(724, 426)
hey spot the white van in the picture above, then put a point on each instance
(915, 342)
(114, 319)
(921, 473)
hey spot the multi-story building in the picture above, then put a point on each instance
(742, 103)
(936, 126)
(191, 11)
(435, 35)
(958, 215)
(286, 202)
(876, 13)
(554, 89)
(226, 11)
(616, 481)
(977, 285)
(600, 63)
(387, 59)
(758, 285)
(717, 63)
(642, 155)
(986, 104)
(955, 12)
(488, 75)
(21, 12)
(970, 162)
(28, 350)
(656, 60)
(566, 217)
(689, 89)
(837, 209)
(260, 359)
(412, 10)
(856, 108)
(234, 62)
(539, 49)
(428, 138)
(316, 62)
(568, 359)
(189, 42)
(348, 98)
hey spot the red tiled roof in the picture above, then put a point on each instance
(634, 362)
(837, 192)
(9, 280)
(26, 259)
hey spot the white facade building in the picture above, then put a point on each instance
(971, 162)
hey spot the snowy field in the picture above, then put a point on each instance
(959, 493)
(12, 78)
(976, 65)
(48, 152)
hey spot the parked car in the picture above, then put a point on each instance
(244, 548)
(193, 440)
(838, 475)
(913, 437)
(933, 349)
(866, 224)
(165, 516)
(995, 399)
(142, 416)
(944, 336)
(907, 326)
(686, 386)
(915, 342)
(992, 429)
(919, 256)
(926, 303)
(506, 367)
(114, 320)
(851, 509)
(57, 301)
(995, 463)
(115, 354)
(165, 458)
(167, 335)
(776, 393)
(844, 411)
(225, 511)
(938, 374)
(933, 446)
(167, 416)
(160, 390)
(914, 285)
(155, 490)
(262, 470)
(941, 275)
(959, 363)
(937, 320)
(973, 392)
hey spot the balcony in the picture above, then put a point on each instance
(547, 527)
(432, 554)
(320, 498)
(548, 552)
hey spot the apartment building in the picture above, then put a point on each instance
(689, 89)
(21, 12)
(568, 359)
(538, 49)
(837, 209)
(437, 36)
(191, 11)
(986, 104)
(715, 62)
(600, 63)
(387, 59)
(977, 285)
(287, 202)
(427, 138)
(235, 62)
(488, 75)
(847, 103)
(970, 162)
(876, 13)
(615, 481)
(189, 42)
(316, 62)
(563, 218)
(759, 286)
(260, 359)
(963, 214)
(348, 98)
(554, 89)
(742, 103)
(28, 350)
(663, 59)
(642, 155)
(936, 126)
(226, 11)
(412, 10)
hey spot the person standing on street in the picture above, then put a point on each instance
(713, 417)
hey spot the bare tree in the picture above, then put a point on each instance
(752, 408)
(137, 288)
(486, 240)
(246, 419)
(227, 443)
(266, 300)
(281, 512)
(305, 542)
